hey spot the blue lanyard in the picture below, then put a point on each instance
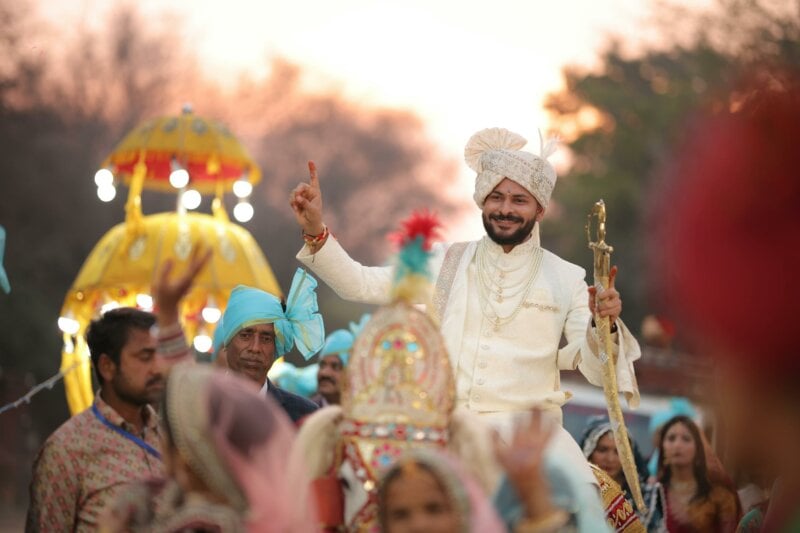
(131, 437)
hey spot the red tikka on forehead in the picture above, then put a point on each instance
(506, 183)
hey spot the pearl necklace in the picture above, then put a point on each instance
(491, 288)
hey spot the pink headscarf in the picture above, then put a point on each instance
(238, 442)
(476, 512)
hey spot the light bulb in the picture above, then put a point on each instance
(108, 306)
(144, 301)
(106, 193)
(179, 178)
(211, 315)
(243, 211)
(203, 343)
(242, 188)
(103, 177)
(68, 325)
(191, 199)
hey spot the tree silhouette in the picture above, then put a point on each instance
(621, 119)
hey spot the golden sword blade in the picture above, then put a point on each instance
(602, 269)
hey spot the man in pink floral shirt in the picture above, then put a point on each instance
(88, 461)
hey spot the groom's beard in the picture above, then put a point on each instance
(517, 237)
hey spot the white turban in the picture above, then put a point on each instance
(495, 154)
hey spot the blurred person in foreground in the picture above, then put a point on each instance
(94, 455)
(692, 495)
(225, 454)
(503, 301)
(729, 249)
(429, 491)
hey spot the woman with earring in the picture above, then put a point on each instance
(688, 498)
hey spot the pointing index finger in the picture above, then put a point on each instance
(312, 170)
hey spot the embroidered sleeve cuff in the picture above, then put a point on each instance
(172, 342)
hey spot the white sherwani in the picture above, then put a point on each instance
(505, 370)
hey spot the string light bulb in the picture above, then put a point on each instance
(144, 301)
(203, 343)
(179, 177)
(242, 188)
(191, 199)
(68, 325)
(103, 177)
(243, 211)
(211, 314)
(106, 192)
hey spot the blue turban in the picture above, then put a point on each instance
(677, 406)
(340, 342)
(299, 325)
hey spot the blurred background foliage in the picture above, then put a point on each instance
(622, 120)
(64, 105)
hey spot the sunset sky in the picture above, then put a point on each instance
(461, 65)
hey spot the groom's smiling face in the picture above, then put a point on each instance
(509, 213)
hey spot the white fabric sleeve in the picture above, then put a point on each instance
(348, 278)
(582, 349)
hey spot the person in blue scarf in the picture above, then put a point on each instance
(257, 328)
(333, 360)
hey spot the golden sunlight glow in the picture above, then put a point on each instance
(462, 66)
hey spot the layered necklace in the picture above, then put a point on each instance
(495, 286)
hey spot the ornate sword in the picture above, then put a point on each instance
(602, 268)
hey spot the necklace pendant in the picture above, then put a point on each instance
(499, 298)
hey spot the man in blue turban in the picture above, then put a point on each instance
(332, 361)
(257, 328)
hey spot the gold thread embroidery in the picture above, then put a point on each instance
(447, 275)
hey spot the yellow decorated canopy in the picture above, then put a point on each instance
(120, 270)
(204, 147)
